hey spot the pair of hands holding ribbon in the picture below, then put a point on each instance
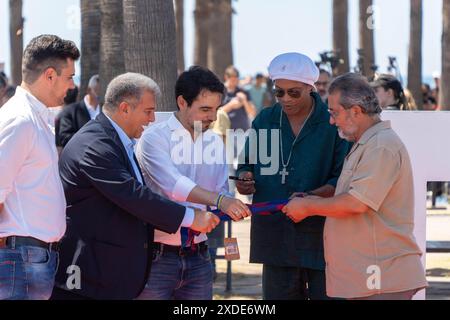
(298, 208)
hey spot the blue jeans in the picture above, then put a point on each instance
(175, 277)
(27, 273)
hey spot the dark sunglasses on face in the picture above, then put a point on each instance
(293, 93)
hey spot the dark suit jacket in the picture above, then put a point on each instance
(71, 119)
(111, 216)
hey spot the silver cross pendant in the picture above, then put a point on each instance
(283, 175)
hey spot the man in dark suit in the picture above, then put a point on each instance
(107, 250)
(73, 117)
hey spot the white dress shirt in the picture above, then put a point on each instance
(93, 110)
(157, 152)
(30, 186)
(129, 145)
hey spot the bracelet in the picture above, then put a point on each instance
(220, 201)
(219, 197)
(217, 200)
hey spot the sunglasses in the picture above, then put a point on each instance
(293, 93)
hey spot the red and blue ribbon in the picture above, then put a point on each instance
(261, 209)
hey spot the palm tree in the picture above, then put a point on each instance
(179, 23)
(16, 40)
(112, 60)
(150, 44)
(340, 35)
(415, 53)
(202, 18)
(220, 50)
(444, 90)
(90, 41)
(366, 36)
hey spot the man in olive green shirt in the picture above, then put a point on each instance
(311, 155)
(370, 249)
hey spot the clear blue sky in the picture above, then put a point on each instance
(262, 29)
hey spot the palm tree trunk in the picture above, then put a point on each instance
(112, 60)
(90, 41)
(444, 90)
(340, 35)
(415, 53)
(16, 40)
(201, 17)
(150, 44)
(366, 37)
(220, 51)
(179, 23)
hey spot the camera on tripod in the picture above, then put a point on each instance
(330, 59)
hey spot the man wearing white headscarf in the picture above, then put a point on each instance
(310, 155)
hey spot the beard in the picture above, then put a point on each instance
(201, 126)
(349, 134)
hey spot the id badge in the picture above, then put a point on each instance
(231, 249)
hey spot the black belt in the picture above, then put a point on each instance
(16, 241)
(182, 251)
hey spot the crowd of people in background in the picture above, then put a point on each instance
(251, 94)
(431, 96)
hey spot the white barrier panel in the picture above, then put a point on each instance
(423, 133)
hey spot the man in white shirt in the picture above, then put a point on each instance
(32, 202)
(73, 117)
(184, 161)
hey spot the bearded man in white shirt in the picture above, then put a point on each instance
(32, 202)
(184, 161)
